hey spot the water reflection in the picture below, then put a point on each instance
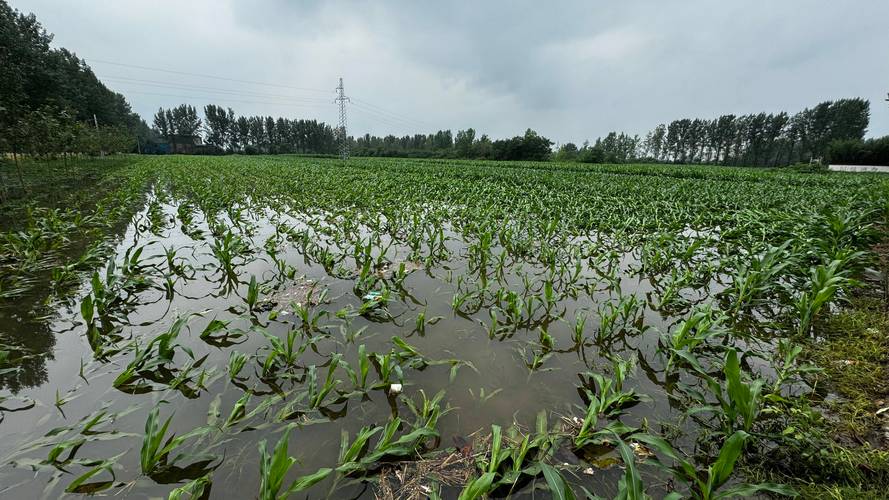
(291, 313)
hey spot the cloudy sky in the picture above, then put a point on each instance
(571, 70)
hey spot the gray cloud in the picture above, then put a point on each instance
(571, 70)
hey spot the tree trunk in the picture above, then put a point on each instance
(18, 167)
(2, 186)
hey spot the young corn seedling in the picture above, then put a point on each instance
(786, 366)
(756, 278)
(607, 398)
(824, 283)
(693, 333)
(252, 295)
(739, 401)
(358, 375)
(317, 395)
(217, 333)
(157, 446)
(152, 362)
(709, 483)
(630, 485)
(580, 319)
(546, 341)
(236, 363)
(273, 468)
(513, 460)
(283, 355)
(421, 322)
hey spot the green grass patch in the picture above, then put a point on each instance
(854, 358)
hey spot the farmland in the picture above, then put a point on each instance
(265, 326)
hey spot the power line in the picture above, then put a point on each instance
(384, 111)
(380, 119)
(200, 75)
(224, 99)
(369, 109)
(390, 119)
(156, 83)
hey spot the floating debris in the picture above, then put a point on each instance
(303, 294)
(390, 269)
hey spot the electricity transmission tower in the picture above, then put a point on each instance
(341, 99)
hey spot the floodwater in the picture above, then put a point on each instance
(63, 366)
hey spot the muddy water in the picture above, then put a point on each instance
(65, 367)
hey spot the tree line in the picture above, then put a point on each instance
(530, 146)
(245, 134)
(231, 133)
(856, 152)
(861, 152)
(51, 102)
(761, 139)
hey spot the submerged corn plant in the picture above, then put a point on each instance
(570, 264)
(739, 399)
(160, 451)
(692, 335)
(824, 283)
(708, 483)
(607, 399)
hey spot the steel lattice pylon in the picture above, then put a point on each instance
(341, 99)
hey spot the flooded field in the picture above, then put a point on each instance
(257, 327)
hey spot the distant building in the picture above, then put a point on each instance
(180, 145)
(184, 144)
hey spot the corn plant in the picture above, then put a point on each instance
(157, 446)
(273, 468)
(236, 362)
(786, 366)
(824, 283)
(511, 459)
(283, 355)
(316, 394)
(358, 457)
(607, 398)
(252, 294)
(578, 327)
(738, 401)
(693, 333)
(708, 483)
(756, 278)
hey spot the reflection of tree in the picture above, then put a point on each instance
(25, 321)
(29, 342)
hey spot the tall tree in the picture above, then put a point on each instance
(40, 82)
(219, 124)
(184, 120)
(463, 143)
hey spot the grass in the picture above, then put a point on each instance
(855, 360)
(839, 449)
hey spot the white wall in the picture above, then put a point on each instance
(858, 168)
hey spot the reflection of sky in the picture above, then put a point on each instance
(497, 364)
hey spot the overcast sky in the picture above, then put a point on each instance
(570, 70)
